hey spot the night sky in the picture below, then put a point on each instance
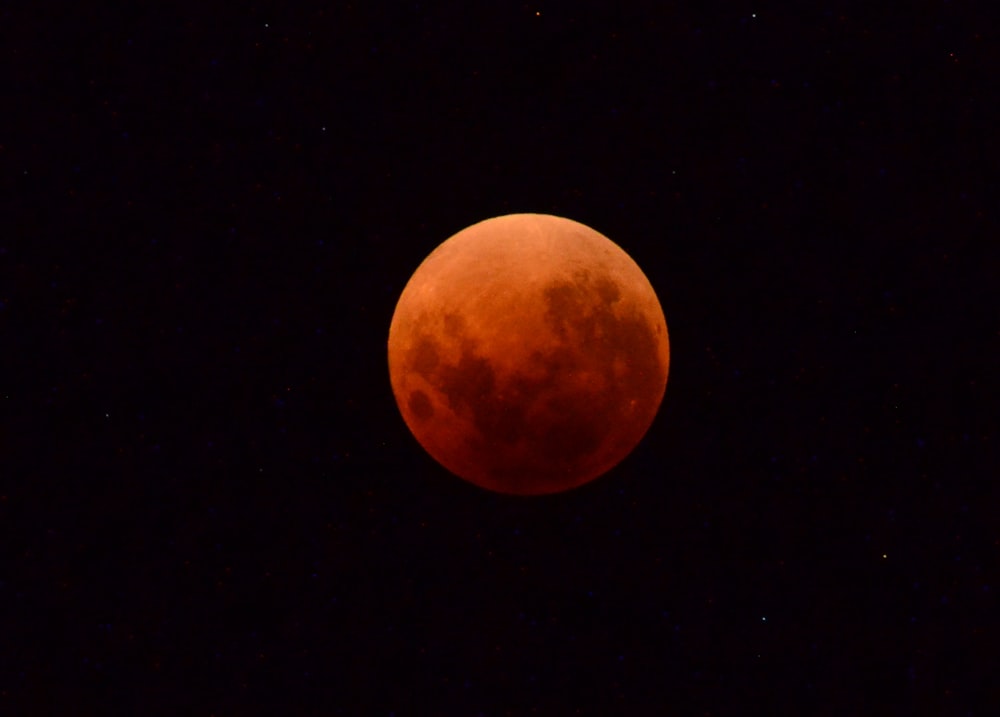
(210, 504)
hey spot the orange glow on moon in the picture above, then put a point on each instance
(528, 354)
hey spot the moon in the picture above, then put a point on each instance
(528, 354)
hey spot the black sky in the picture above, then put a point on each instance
(209, 504)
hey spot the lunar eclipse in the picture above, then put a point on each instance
(528, 354)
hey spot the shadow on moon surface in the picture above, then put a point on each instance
(577, 399)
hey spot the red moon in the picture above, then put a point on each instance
(528, 354)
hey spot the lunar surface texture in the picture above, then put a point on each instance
(528, 354)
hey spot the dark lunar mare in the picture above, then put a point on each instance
(542, 407)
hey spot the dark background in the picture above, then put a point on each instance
(209, 504)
